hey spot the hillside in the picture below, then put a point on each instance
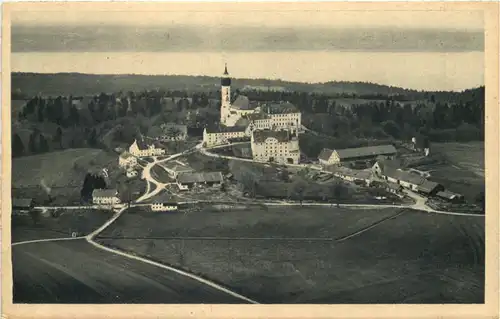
(64, 84)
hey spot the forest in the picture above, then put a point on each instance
(47, 123)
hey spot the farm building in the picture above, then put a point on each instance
(395, 189)
(105, 197)
(352, 155)
(141, 149)
(22, 204)
(358, 177)
(127, 160)
(379, 166)
(175, 168)
(450, 196)
(411, 181)
(188, 180)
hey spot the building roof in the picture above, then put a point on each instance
(394, 186)
(366, 151)
(104, 193)
(241, 103)
(225, 129)
(394, 163)
(427, 186)
(141, 143)
(260, 136)
(281, 108)
(403, 176)
(22, 202)
(325, 154)
(126, 155)
(256, 116)
(200, 177)
(448, 194)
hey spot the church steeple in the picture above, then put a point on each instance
(226, 80)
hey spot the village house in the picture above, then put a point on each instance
(394, 189)
(450, 196)
(281, 147)
(186, 181)
(141, 149)
(350, 155)
(355, 176)
(105, 197)
(222, 135)
(22, 204)
(408, 180)
(127, 160)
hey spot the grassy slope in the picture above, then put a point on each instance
(75, 272)
(57, 168)
(464, 173)
(415, 257)
(81, 221)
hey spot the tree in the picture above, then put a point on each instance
(35, 216)
(92, 139)
(17, 146)
(480, 200)
(44, 145)
(247, 176)
(297, 190)
(58, 137)
(32, 143)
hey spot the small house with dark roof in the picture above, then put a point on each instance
(105, 197)
(22, 204)
(368, 153)
(186, 181)
(174, 168)
(450, 196)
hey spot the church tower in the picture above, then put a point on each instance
(225, 97)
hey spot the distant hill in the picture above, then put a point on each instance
(30, 84)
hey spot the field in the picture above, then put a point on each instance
(76, 272)
(469, 156)
(62, 171)
(306, 255)
(81, 221)
(464, 172)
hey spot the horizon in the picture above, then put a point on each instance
(250, 79)
(431, 50)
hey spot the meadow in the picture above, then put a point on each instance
(317, 254)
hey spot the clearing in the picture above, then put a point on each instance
(297, 255)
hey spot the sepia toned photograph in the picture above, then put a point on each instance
(249, 154)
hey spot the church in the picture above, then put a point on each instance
(239, 117)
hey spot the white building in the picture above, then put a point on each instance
(127, 160)
(223, 135)
(164, 207)
(105, 197)
(280, 147)
(141, 149)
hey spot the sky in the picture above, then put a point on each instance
(300, 33)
